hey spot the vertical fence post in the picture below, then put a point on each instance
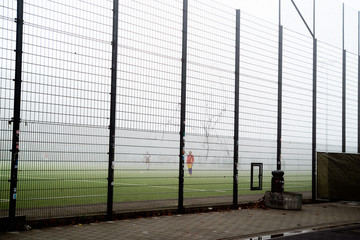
(313, 178)
(17, 104)
(359, 82)
(114, 44)
(343, 83)
(314, 119)
(279, 116)
(344, 101)
(313, 151)
(183, 108)
(236, 120)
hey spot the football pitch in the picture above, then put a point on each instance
(48, 188)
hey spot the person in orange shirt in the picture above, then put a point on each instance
(190, 162)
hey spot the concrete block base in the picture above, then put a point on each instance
(284, 200)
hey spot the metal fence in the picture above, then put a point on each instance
(101, 103)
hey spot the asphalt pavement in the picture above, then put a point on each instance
(320, 220)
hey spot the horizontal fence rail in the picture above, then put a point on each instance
(133, 109)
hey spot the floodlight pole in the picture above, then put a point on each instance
(312, 33)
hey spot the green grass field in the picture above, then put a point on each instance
(66, 187)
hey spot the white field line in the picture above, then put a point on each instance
(128, 184)
(192, 189)
(4, 200)
(67, 197)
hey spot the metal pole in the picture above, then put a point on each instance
(344, 102)
(313, 196)
(110, 198)
(183, 108)
(312, 33)
(314, 19)
(279, 12)
(17, 107)
(314, 119)
(358, 82)
(279, 117)
(302, 18)
(236, 120)
(343, 26)
(343, 84)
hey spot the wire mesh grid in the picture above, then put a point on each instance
(258, 97)
(7, 68)
(148, 101)
(296, 157)
(65, 107)
(209, 100)
(65, 104)
(329, 98)
(351, 102)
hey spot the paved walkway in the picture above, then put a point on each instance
(234, 224)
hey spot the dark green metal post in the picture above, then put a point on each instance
(114, 43)
(343, 83)
(16, 119)
(183, 108)
(314, 119)
(236, 120)
(279, 116)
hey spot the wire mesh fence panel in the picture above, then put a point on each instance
(329, 98)
(210, 101)
(7, 75)
(258, 99)
(66, 104)
(148, 104)
(65, 108)
(296, 138)
(351, 102)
